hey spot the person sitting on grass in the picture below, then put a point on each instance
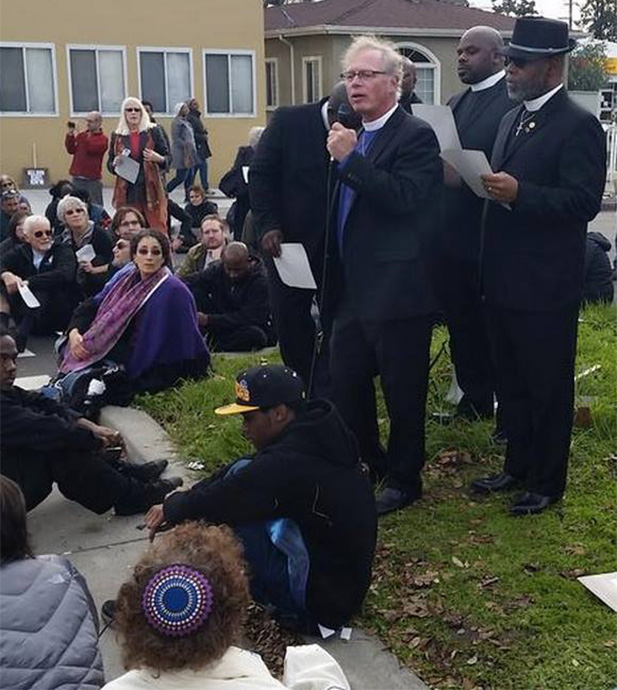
(48, 620)
(43, 443)
(232, 301)
(302, 505)
(213, 240)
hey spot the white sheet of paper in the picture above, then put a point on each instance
(245, 173)
(441, 119)
(127, 168)
(603, 586)
(325, 632)
(469, 165)
(293, 266)
(28, 297)
(86, 253)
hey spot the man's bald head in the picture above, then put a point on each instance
(479, 54)
(235, 259)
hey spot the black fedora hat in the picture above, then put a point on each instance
(537, 37)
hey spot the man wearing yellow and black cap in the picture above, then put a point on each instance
(302, 505)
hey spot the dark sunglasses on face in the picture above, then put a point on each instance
(132, 110)
(518, 62)
(121, 244)
(71, 211)
(40, 233)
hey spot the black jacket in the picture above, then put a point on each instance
(384, 263)
(598, 271)
(197, 213)
(533, 255)
(477, 116)
(56, 271)
(288, 179)
(200, 133)
(407, 103)
(231, 304)
(310, 474)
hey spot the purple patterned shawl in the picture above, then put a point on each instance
(115, 312)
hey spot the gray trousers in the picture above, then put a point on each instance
(93, 187)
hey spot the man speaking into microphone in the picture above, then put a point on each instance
(378, 285)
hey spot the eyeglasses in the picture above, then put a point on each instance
(362, 74)
(132, 110)
(39, 233)
(71, 211)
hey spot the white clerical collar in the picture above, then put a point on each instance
(489, 81)
(324, 115)
(536, 103)
(374, 125)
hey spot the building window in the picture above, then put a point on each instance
(97, 79)
(272, 83)
(311, 79)
(230, 83)
(427, 70)
(165, 77)
(27, 79)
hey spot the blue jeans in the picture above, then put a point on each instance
(202, 169)
(278, 563)
(181, 175)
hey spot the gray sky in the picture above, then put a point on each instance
(556, 9)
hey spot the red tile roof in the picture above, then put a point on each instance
(381, 14)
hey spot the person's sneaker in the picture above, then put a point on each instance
(145, 471)
(108, 611)
(147, 495)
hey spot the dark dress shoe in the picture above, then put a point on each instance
(494, 483)
(499, 437)
(530, 503)
(388, 500)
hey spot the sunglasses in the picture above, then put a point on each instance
(41, 233)
(518, 62)
(121, 244)
(132, 110)
(71, 211)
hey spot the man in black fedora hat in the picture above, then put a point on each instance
(550, 163)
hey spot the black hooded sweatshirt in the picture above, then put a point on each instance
(311, 474)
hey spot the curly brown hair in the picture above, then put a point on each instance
(215, 552)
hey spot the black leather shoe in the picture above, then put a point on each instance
(388, 500)
(147, 471)
(530, 503)
(494, 483)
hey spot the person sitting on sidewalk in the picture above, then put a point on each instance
(302, 505)
(213, 240)
(48, 620)
(232, 301)
(191, 218)
(43, 442)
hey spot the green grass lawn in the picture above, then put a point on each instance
(462, 593)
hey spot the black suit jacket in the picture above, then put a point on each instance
(288, 178)
(533, 255)
(384, 249)
(459, 229)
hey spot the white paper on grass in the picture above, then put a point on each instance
(86, 253)
(470, 165)
(293, 266)
(441, 119)
(604, 586)
(28, 297)
(127, 168)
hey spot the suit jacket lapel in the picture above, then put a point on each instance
(499, 148)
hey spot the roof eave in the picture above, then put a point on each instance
(327, 29)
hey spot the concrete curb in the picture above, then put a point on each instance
(366, 662)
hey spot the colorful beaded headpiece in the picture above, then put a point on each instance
(177, 600)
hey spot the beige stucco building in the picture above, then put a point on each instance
(60, 59)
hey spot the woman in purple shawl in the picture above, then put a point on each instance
(144, 318)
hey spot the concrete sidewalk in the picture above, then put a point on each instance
(105, 549)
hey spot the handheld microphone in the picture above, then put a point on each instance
(347, 116)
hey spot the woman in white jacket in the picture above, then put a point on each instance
(181, 613)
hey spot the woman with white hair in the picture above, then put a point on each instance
(79, 233)
(138, 139)
(183, 151)
(47, 268)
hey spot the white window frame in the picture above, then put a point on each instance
(54, 70)
(435, 65)
(158, 49)
(318, 60)
(95, 48)
(229, 52)
(275, 65)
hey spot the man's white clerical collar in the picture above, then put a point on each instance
(536, 103)
(374, 125)
(488, 82)
(324, 115)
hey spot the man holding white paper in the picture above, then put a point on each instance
(477, 112)
(48, 270)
